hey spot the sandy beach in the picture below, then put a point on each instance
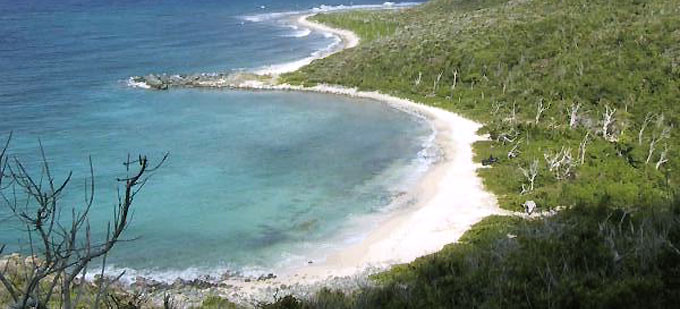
(447, 201)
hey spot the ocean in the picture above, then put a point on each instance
(255, 180)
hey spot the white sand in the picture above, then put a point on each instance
(449, 199)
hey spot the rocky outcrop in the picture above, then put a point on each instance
(213, 80)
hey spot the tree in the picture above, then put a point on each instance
(573, 115)
(608, 122)
(61, 250)
(530, 175)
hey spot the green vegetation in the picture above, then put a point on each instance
(368, 25)
(584, 257)
(500, 64)
(580, 100)
(214, 302)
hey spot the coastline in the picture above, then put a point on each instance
(348, 39)
(449, 199)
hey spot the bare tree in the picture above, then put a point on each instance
(560, 163)
(608, 122)
(573, 115)
(508, 136)
(648, 119)
(582, 148)
(435, 84)
(419, 79)
(514, 151)
(61, 250)
(656, 138)
(530, 174)
(540, 108)
(663, 158)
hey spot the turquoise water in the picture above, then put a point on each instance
(254, 181)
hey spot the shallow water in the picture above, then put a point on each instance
(254, 179)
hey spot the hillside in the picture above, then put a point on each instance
(580, 100)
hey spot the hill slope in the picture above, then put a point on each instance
(580, 99)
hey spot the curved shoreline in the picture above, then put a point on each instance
(449, 198)
(348, 39)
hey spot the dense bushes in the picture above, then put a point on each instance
(580, 100)
(521, 68)
(583, 257)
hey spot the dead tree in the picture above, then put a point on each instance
(514, 151)
(435, 84)
(663, 158)
(608, 123)
(582, 149)
(419, 79)
(656, 138)
(573, 115)
(540, 108)
(560, 163)
(508, 136)
(453, 84)
(641, 133)
(530, 174)
(60, 253)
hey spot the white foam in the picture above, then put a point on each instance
(297, 64)
(327, 8)
(285, 19)
(210, 274)
(300, 34)
(132, 83)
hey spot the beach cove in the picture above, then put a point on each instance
(446, 201)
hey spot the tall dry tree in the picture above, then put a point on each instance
(663, 158)
(648, 118)
(656, 139)
(573, 115)
(61, 249)
(435, 84)
(530, 174)
(608, 121)
(540, 109)
(582, 148)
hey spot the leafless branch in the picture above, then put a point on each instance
(61, 252)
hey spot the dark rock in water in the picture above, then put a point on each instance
(155, 82)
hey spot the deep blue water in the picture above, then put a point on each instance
(253, 178)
